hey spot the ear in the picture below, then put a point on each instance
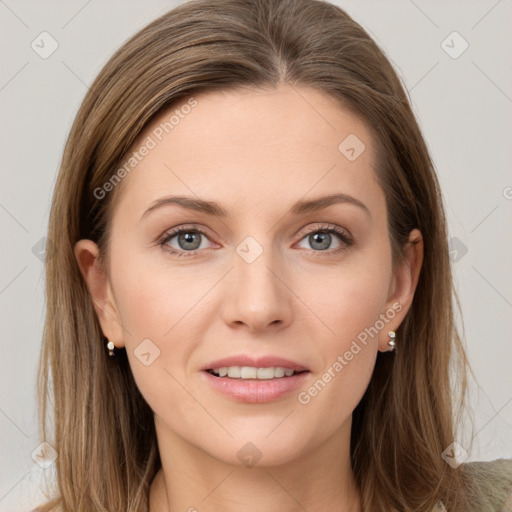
(87, 256)
(402, 286)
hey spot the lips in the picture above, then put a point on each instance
(255, 380)
(255, 391)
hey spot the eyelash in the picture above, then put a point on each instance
(343, 235)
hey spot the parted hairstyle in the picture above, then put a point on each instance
(91, 410)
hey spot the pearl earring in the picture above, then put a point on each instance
(391, 342)
(111, 347)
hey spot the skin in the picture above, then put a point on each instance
(256, 152)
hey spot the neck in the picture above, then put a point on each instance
(191, 480)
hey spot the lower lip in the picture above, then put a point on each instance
(256, 391)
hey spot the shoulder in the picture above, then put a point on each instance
(493, 483)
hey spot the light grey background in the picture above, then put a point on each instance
(464, 107)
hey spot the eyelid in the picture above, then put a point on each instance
(172, 232)
(345, 237)
(322, 226)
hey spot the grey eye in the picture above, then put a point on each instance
(320, 241)
(189, 240)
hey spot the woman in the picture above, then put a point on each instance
(250, 307)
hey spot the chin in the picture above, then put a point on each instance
(260, 448)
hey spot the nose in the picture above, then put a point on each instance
(257, 295)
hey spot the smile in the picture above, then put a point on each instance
(251, 372)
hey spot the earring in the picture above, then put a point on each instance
(391, 342)
(110, 346)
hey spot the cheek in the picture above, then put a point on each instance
(155, 297)
(164, 312)
(351, 307)
(348, 298)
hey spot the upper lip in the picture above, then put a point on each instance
(256, 362)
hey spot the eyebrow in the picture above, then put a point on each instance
(216, 210)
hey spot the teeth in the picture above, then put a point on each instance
(278, 372)
(249, 372)
(234, 372)
(265, 373)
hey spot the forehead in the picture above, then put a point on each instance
(252, 149)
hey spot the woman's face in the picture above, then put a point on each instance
(256, 276)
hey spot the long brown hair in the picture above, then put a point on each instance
(103, 428)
